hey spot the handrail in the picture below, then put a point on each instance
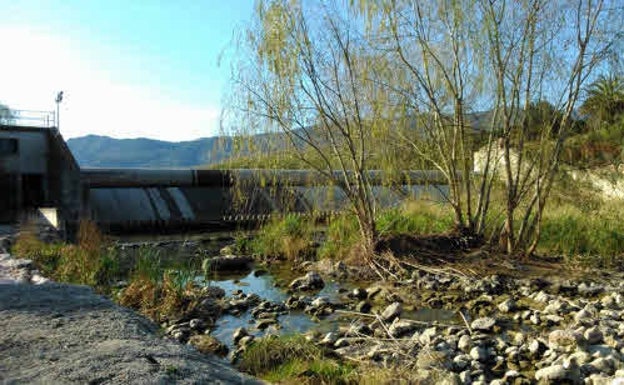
(29, 118)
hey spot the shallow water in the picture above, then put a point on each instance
(295, 322)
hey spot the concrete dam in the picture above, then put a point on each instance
(39, 174)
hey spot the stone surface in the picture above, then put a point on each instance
(311, 281)
(484, 324)
(392, 311)
(64, 334)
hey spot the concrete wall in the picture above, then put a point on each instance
(32, 151)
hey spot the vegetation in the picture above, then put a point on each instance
(394, 77)
(293, 359)
(290, 237)
(89, 262)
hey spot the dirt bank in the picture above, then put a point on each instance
(62, 334)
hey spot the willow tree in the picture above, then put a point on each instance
(305, 76)
(459, 57)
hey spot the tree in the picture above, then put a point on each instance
(306, 76)
(459, 56)
(604, 102)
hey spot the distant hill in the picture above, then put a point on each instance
(103, 151)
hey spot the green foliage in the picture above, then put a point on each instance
(288, 237)
(416, 218)
(90, 262)
(592, 237)
(292, 359)
(605, 100)
(412, 218)
(600, 147)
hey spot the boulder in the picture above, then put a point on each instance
(310, 281)
(208, 344)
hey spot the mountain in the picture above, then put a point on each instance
(103, 151)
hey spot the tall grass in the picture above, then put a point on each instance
(289, 237)
(89, 262)
(587, 237)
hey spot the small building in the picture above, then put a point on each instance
(38, 175)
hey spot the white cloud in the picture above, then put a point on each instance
(36, 65)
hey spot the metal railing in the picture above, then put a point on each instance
(29, 118)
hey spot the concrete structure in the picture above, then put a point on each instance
(37, 171)
(39, 177)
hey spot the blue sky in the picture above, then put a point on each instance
(128, 68)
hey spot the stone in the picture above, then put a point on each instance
(341, 343)
(563, 340)
(208, 344)
(464, 344)
(593, 335)
(226, 263)
(330, 338)
(400, 327)
(197, 324)
(555, 374)
(484, 324)
(363, 307)
(536, 348)
(392, 311)
(311, 281)
(479, 353)
(507, 306)
(265, 323)
(604, 365)
(358, 293)
(238, 335)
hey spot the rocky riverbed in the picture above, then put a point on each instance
(504, 330)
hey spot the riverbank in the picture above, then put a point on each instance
(64, 334)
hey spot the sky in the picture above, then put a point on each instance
(139, 68)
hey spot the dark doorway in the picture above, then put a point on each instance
(8, 198)
(32, 191)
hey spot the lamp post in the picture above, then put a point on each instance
(58, 100)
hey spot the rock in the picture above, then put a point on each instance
(265, 323)
(400, 327)
(358, 293)
(479, 353)
(246, 341)
(197, 324)
(604, 365)
(484, 324)
(568, 371)
(341, 343)
(536, 348)
(238, 335)
(363, 307)
(311, 281)
(226, 263)
(593, 335)
(330, 339)
(507, 306)
(432, 359)
(563, 340)
(392, 311)
(465, 343)
(208, 344)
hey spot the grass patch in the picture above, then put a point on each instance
(89, 262)
(289, 237)
(587, 237)
(294, 360)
